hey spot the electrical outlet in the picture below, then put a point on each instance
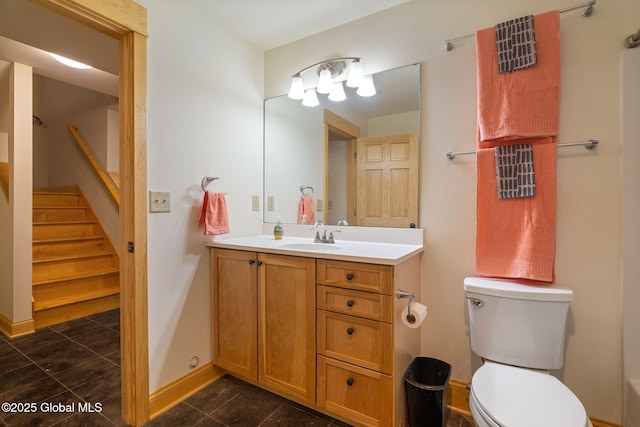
(270, 203)
(159, 201)
(255, 203)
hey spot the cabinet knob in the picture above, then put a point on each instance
(350, 303)
(350, 381)
(350, 331)
(349, 276)
(259, 263)
(251, 261)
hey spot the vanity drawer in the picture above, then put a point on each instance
(356, 393)
(357, 303)
(363, 342)
(355, 275)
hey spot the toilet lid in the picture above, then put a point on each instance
(521, 397)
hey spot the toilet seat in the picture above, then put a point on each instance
(509, 396)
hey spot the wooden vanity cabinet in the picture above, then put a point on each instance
(264, 320)
(363, 347)
(325, 333)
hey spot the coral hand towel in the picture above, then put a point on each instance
(524, 103)
(214, 214)
(305, 207)
(516, 238)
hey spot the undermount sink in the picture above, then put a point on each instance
(310, 246)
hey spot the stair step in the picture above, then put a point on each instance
(51, 198)
(75, 267)
(54, 289)
(70, 299)
(59, 213)
(46, 230)
(63, 313)
(68, 245)
(63, 267)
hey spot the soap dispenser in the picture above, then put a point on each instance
(278, 231)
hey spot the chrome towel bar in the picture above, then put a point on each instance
(587, 12)
(589, 145)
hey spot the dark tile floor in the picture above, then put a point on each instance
(69, 375)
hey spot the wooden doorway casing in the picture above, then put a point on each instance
(126, 21)
(335, 124)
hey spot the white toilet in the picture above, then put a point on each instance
(519, 331)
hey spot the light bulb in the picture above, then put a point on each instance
(324, 82)
(355, 74)
(310, 98)
(367, 87)
(297, 89)
(337, 92)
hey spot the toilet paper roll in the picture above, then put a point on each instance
(419, 313)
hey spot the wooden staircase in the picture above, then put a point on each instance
(75, 267)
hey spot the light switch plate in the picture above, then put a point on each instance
(319, 205)
(159, 201)
(270, 204)
(255, 203)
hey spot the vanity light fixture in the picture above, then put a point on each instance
(70, 62)
(328, 73)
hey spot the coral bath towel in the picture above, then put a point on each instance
(214, 214)
(305, 211)
(523, 103)
(516, 238)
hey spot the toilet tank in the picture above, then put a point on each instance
(517, 324)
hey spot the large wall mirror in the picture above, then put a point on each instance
(353, 162)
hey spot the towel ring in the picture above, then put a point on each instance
(303, 188)
(206, 180)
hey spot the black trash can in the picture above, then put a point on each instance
(426, 385)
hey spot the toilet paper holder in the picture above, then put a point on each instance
(404, 294)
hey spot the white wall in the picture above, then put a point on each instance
(395, 124)
(60, 104)
(204, 119)
(589, 236)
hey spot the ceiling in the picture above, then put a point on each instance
(28, 32)
(268, 24)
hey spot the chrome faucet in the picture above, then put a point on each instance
(322, 237)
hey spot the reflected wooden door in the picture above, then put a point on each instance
(387, 181)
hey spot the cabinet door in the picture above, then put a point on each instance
(287, 325)
(234, 307)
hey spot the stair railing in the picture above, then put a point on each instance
(108, 183)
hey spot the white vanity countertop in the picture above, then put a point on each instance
(378, 248)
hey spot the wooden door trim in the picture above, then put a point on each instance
(126, 21)
(337, 124)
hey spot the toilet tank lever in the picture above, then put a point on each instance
(475, 301)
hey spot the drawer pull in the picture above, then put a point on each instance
(350, 381)
(350, 302)
(350, 331)
(349, 276)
